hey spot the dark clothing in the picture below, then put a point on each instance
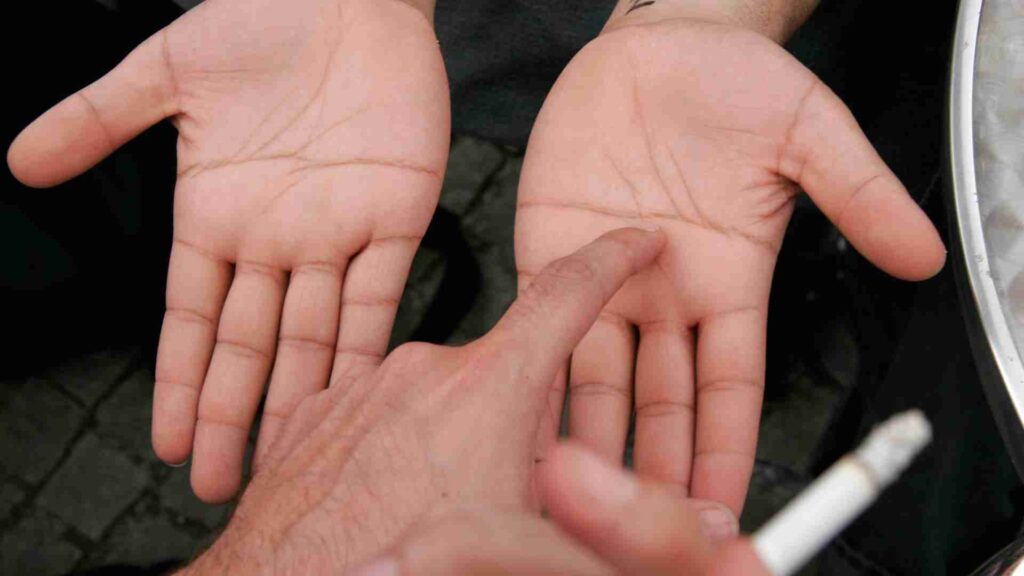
(503, 56)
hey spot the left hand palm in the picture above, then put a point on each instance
(705, 131)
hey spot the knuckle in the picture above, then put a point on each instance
(574, 268)
(618, 241)
(411, 357)
(534, 301)
(572, 277)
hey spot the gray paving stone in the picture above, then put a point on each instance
(771, 487)
(36, 424)
(425, 278)
(36, 546)
(89, 377)
(124, 419)
(176, 496)
(92, 487)
(10, 496)
(487, 221)
(145, 541)
(471, 162)
(792, 428)
(839, 354)
(497, 291)
(492, 220)
(490, 229)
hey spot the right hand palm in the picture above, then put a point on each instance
(313, 140)
(705, 131)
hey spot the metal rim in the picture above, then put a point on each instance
(975, 255)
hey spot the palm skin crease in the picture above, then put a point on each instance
(707, 132)
(313, 137)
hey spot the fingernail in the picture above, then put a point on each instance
(179, 464)
(605, 483)
(648, 226)
(718, 523)
(384, 567)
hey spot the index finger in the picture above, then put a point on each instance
(550, 318)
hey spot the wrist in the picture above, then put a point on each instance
(235, 551)
(775, 19)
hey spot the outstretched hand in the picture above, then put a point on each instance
(313, 137)
(707, 131)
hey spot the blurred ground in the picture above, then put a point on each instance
(80, 487)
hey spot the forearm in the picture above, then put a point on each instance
(776, 19)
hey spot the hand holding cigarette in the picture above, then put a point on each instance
(611, 522)
(606, 521)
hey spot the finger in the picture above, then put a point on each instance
(369, 301)
(638, 527)
(730, 387)
(601, 388)
(197, 284)
(487, 544)
(551, 423)
(738, 558)
(234, 385)
(558, 308)
(832, 159)
(86, 127)
(664, 397)
(305, 348)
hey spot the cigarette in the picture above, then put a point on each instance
(843, 492)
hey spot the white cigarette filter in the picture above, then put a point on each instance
(843, 492)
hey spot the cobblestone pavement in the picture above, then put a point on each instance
(80, 487)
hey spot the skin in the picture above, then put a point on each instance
(312, 145)
(687, 116)
(603, 521)
(432, 432)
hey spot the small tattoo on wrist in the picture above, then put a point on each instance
(638, 4)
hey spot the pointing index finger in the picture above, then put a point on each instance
(550, 318)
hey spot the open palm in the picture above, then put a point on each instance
(313, 140)
(707, 132)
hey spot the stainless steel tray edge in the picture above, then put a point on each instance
(993, 344)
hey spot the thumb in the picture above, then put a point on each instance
(639, 528)
(89, 125)
(552, 315)
(833, 161)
